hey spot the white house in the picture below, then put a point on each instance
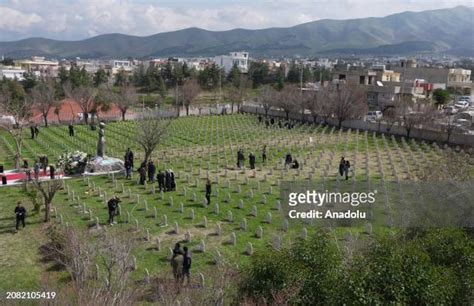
(241, 59)
(12, 73)
(118, 65)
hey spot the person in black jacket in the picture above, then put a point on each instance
(208, 191)
(113, 208)
(20, 213)
(252, 160)
(71, 130)
(186, 265)
(161, 180)
(151, 171)
(342, 166)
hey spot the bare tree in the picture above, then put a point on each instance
(48, 190)
(347, 102)
(413, 114)
(267, 98)
(316, 103)
(124, 97)
(44, 98)
(191, 90)
(238, 91)
(14, 102)
(116, 255)
(80, 253)
(448, 125)
(152, 130)
(390, 117)
(84, 96)
(288, 99)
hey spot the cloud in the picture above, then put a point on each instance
(12, 20)
(85, 18)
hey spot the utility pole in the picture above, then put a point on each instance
(301, 91)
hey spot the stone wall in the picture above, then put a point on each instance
(417, 133)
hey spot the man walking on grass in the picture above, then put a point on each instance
(20, 213)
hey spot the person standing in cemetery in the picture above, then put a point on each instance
(129, 157)
(167, 180)
(151, 171)
(113, 208)
(32, 130)
(161, 180)
(240, 158)
(27, 170)
(142, 172)
(264, 154)
(288, 160)
(208, 191)
(52, 172)
(187, 265)
(128, 169)
(45, 164)
(177, 263)
(36, 169)
(71, 130)
(252, 161)
(172, 181)
(342, 165)
(347, 166)
(20, 213)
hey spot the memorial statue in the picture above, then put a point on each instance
(101, 142)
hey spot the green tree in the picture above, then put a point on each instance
(441, 96)
(234, 75)
(121, 78)
(280, 79)
(30, 80)
(63, 75)
(258, 73)
(100, 77)
(162, 87)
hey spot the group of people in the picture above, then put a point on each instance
(252, 158)
(344, 167)
(181, 264)
(34, 131)
(287, 124)
(166, 180)
(41, 163)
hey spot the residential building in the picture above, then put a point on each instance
(239, 59)
(39, 66)
(12, 73)
(118, 65)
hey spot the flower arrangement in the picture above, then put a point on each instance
(73, 162)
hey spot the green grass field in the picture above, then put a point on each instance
(197, 148)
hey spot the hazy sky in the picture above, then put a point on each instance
(78, 19)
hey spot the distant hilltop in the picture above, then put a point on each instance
(447, 31)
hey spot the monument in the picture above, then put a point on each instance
(101, 142)
(102, 163)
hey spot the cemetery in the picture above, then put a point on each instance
(246, 214)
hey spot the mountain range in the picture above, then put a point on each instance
(449, 31)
